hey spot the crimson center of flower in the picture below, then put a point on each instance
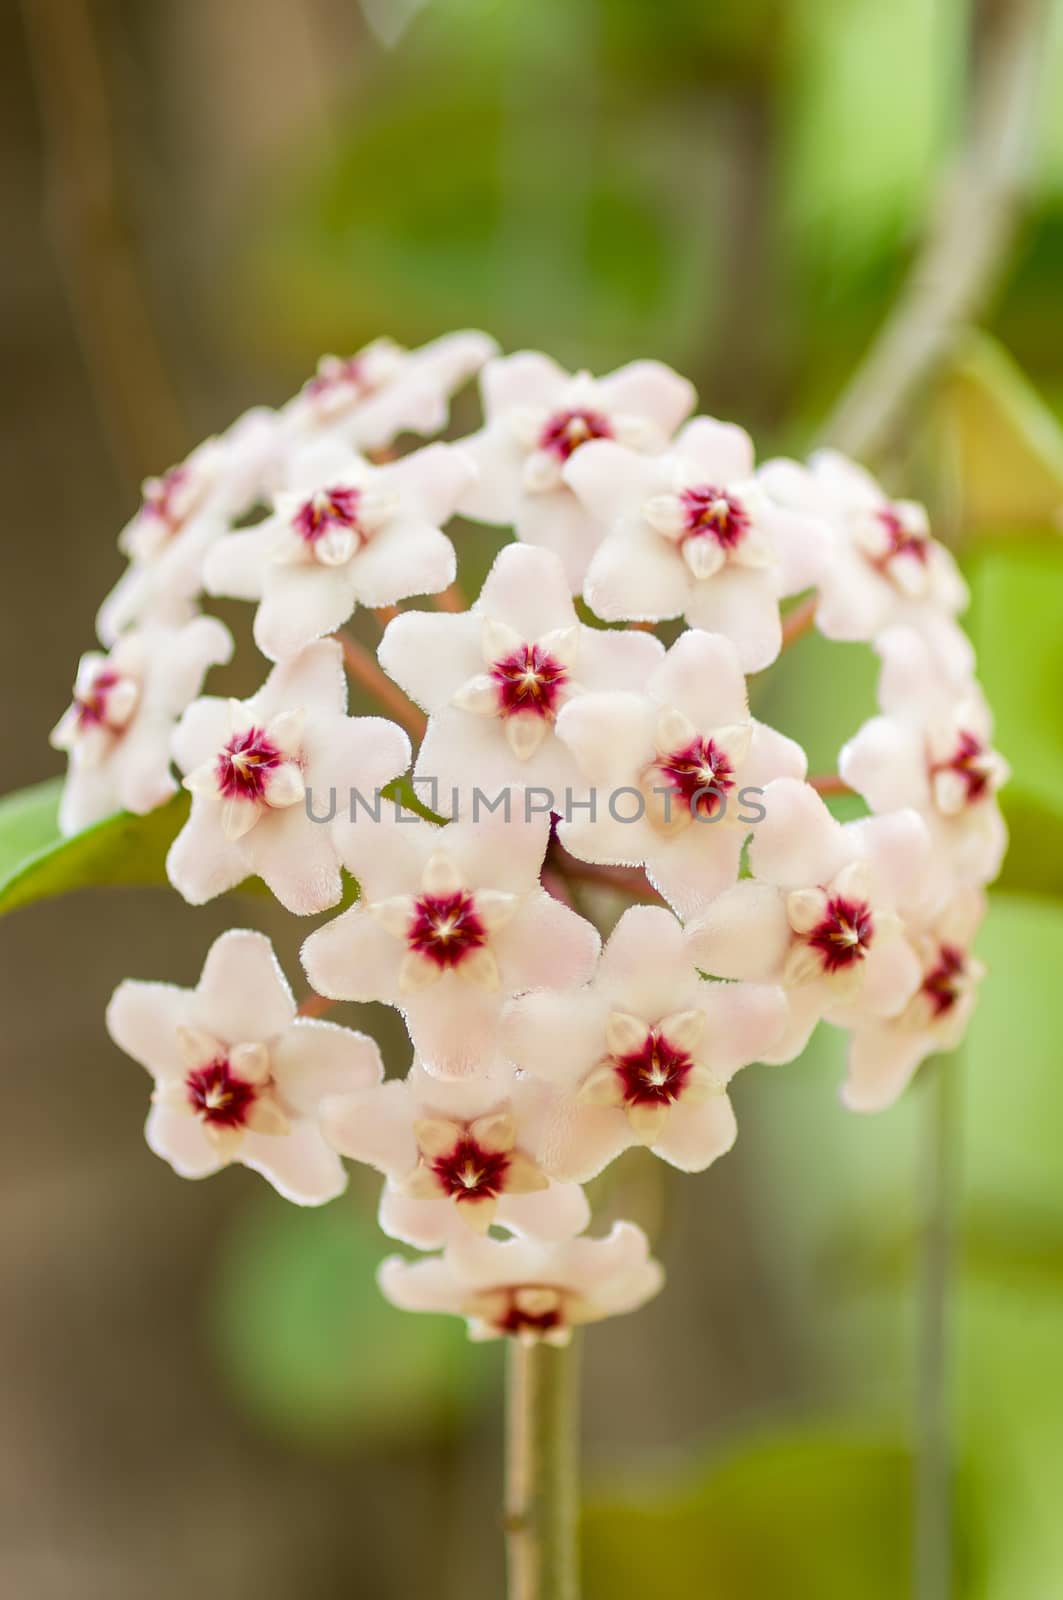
(91, 705)
(350, 371)
(219, 1095)
(713, 513)
(446, 928)
(517, 1319)
(243, 765)
(700, 774)
(943, 984)
(529, 679)
(469, 1172)
(903, 541)
(329, 508)
(845, 933)
(565, 431)
(968, 761)
(159, 497)
(655, 1073)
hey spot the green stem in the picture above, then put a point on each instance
(932, 1556)
(541, 1472)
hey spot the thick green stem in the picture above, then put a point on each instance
(541, 1472)
(932, 1559)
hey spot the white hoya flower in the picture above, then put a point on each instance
(883, 566)
(238, 1075)
(254, 767)
(824, 914)
(643, 1054)
(343, 533)
(181, 515)
(367, 400)
(456, 1156)
(494, 679)
(537, 416)
(526, 1289)
(675, 771)
(885, 1054)
(450, 922)
(693, 533)
(118, 728)
(932, 750)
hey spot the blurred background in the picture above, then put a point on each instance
(202, 1391)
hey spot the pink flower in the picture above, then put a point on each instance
(238, 1076)
(884, 1055)
(933, 751)
(368, 399)
(262, 772)
(525, 1289)
(822, 913)
(125, 707)
(537, 416)
(450, 922)
(644, 1054)
(456, 1156)
(884, 567)
(494, 679)
(182, 514)
(692, 533)
(676, 771)
(344, 533)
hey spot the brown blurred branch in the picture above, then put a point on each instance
(93, 245)
(969, 235)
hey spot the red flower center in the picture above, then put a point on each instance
(968, 760)
(469, 1172)
(349, 372)
(902, 540)
(242, 766)
(567, 430)
(329, 508)
(514, 1320)
(160, 495)
(91, 705)
(713, 513)
(446, 928)
(218, 1095)
(844, 936)
(943, 984)
(699, 774)
(529, 680)
(655, 1073)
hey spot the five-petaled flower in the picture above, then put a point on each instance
(525, 1289)
(238, 1075)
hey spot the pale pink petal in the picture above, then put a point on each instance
(580, 1141)
(722, 450)
(691, 868)
(613, 481)
(302, 602)
(798, 843)
(296, 859)
(201, 863)
(362, 753)
(694, 1136)
(636, 575)
(546, 946)
(354, 958)
(617, 658)
(856, 602)
(375, 1127)
(401, 559)
(891, 976)
(180, 1140)
(465, 752)
(524, 379)
(201, 732)
(742, 604)
(882, 1062)
(804, 1007)
(312, 680)
(554, 1035)
(898, 848)
(745, 1020)
(242, 995)
(314, 1059)
(237, 566)
(611, 736)
(432, 655)
(743, 934)
(143, 1019)
(431, 481)
(555, 520)
(702, 678)
(649, 389)
(802, 548)
(554, 1213)
(886, 763)
(527, 589)
(454, 1027)
(299, 1164)
(500, 851)
(425, 1285)
(499, 458)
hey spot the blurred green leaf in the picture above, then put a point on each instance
(812, 1516)
(309, 1344)
(1004, 445)
(37, 863)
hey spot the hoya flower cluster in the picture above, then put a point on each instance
(562, 760)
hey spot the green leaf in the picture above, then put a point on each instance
(1005, 445)
(37, 863)
(311, 1347)
(812, 1516)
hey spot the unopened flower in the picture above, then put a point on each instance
(527, 1290)
(537, 416)
(254, 766)
(494, 679)
(119, 726)
(456, 1156)
(676, 771)
(884, 567)
(239, 1077)
(368, 399)
(884, 1055)
(821, 914)
(643, 1054)
(693, 533)
(343, 533)
(933, 751)
(181, 515)
(450, 922)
